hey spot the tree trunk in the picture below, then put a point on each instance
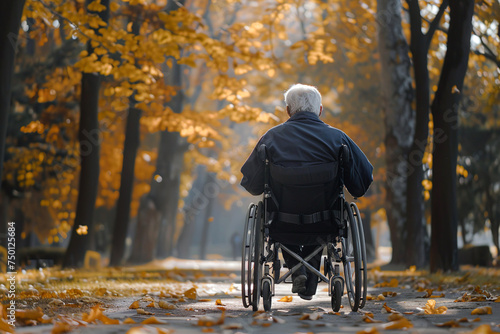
(130, 147)
(367, 230)
(10, 20)
(417, 241)
(120, 229)
(445, 115)
(399, 119)
(89, 138)
(194, 203)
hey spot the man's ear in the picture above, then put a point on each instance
(320, 110)
(288, 111)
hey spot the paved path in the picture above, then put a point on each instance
(285, 317)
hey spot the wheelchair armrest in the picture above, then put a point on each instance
(262, 151)
(345, 156)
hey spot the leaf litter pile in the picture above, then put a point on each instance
(143, 302)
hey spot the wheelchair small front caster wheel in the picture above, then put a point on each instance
(336, 295)
(266, 296)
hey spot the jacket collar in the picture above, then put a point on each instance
(304, 115)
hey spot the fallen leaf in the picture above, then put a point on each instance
(129, 321)
(311, 316)
(134, 305)
(191, 293)
(142, 312)
(61, 327)
(204, 300)
(393, 283)
(398, 324)
(380, 297)
(29, 314)
(286, 299)
(232, 326)
(449, 324)
(372, 330)
(208, 321)
(152, 321)
(389, 294)
(56, 302)
(166, 305)
(369, 319)
(483, 329)
(207, 330)
(481, 310)
(395, 316)
(430, 308)
(387, 309)
(219, 302)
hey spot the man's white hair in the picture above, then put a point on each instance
(303, 98)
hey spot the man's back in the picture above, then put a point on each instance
(305, 140)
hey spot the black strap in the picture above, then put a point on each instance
(308, 219)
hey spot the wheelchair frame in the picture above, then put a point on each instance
(260, 254)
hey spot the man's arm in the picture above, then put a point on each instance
(253, 173)
(360, 174)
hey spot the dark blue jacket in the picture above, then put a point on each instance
(305, 140)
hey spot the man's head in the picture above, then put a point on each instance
(301, 98)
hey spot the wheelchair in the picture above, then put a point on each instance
(344, 243)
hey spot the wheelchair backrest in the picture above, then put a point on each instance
(305, 189)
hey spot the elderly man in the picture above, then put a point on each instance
(305, 140)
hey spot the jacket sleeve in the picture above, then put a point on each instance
(253, 173)
(360, 174)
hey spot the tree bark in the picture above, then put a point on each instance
(417, 241)
(10, 20)
(399, 119)
(445, 115)
(89, 138)
(130, 147)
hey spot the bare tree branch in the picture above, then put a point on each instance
(435, 22)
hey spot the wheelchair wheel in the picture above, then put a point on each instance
(258, 243)
(266, 295)
(363, 268)
(351, 258)
(246, 256)
(336, 295)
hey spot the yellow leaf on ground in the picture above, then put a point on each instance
(370, 320)
(372, 330)
(219, 302)
(481, 310)
(129, 321)
(191, 293)
(134, 305)
(166, 305)
(141, 311)
(393, 283)
(398, 324)
(430, 308)
(29, 314)
(286, 299)
(394, 316)
(152, 321)
(483, 329)
(60, 327)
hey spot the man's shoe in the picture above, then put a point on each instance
(299, 284)
(305, 297)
